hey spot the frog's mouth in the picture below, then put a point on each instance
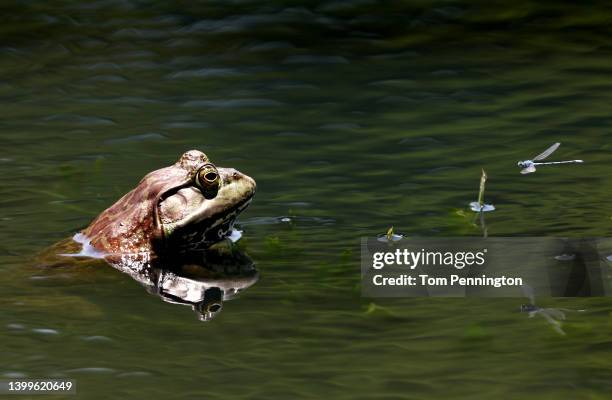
(190, 219)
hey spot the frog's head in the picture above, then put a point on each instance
(189, 205)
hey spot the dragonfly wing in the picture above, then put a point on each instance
(547, 152)
(528, 170)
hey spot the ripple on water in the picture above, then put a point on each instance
(135, 33)
(102, 66)
(444, 72)
(186, 125)
(229, 24)
(205, 73)
(262, 221)
(43, 277)
(291, 134)
(15, 326)
(88, 42)
(106, 79)
(103, 4)
(294, 204)
(476, 207)
(440, 169)
(134, 374)
(394, 237)
(340, 126)
(14, 374)
(398, 55)
(421, 141)
(315, 59)
(97, 339)
(137, 138)
(92, 370)
(46, 331)
(181, 42)
(150, 65)
(239, 23)
(270, 46)
(234, 103)
(295, 86)
(285, 219)
(76, 119)
(343, 6)
(394, 83)
(135, 54)
(135, 100)
(395, 100)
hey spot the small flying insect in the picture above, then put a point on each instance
(529, 166)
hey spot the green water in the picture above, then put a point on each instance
(352, 118)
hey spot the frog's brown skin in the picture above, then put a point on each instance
(170, 210)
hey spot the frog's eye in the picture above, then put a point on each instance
(208, 179)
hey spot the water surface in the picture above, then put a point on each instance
(352, 117)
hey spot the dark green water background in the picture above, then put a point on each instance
(351, 117)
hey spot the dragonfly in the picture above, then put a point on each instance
(529, 166)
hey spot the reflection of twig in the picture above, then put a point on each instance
(483, 226)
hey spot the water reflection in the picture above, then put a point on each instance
(202, 280)
(554, 316)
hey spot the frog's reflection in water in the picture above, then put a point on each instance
(200, 279)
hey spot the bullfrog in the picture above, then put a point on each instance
(189, 205)
(168, 234)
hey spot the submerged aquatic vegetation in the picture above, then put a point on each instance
(375, 309)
